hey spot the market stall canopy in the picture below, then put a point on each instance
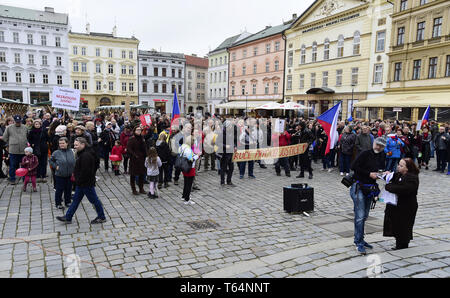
(293, 106)
(408, 100)
(10, 101)
(240, 105)
(269, 106)
(10, 107)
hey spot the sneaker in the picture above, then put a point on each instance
(310, 176)
(342, 174)
(231, 184)
(150, 196)
(241, 177)
(34, 190)
(361, 250)
(367, 245)
(263, 167)
(252, 177)
(191, 203)
(98, 220)
(330, 170)
(186, 202)
(60, 207)
(24, 189)
(301, 176)
(63, 219)
(175, 182)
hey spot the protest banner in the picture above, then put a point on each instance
(269, 153)
(66, 99)
(146, 120)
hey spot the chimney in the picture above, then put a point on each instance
(49, 9)
(294, 16)
(194, 55)
(88, 28)
(114, 32)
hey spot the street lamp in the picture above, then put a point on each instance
(246, 103)
(353, 91)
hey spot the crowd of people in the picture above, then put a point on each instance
(73, 150)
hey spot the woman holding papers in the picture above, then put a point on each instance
(399, 219)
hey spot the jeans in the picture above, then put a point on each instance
(42, 167)
(14, 163)
(326, 161)
(441, 159)
(391, 164)
(332, 157)
(432, 148)
(361, 209)
(63, 185)
(283, 162)
(171, 166)
(188, 181)
(91, 195)
(344, 162)
(241, 165)
(226, 167)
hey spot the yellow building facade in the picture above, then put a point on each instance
(337, 51)
(419, 62)
(105, 68)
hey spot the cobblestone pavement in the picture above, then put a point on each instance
(253, 236)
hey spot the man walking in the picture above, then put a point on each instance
(16, 138)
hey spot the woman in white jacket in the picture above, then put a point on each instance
(187, 152)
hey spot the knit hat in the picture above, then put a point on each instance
(60, 130)
(29, 149)
(81, 127)
(381, 142)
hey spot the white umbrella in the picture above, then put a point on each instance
(269, 106)
(293, 106)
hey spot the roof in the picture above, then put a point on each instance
(105, 35)
(197, 61)
(162, 54)
(227, 43)
(33, 15)
(269, 31)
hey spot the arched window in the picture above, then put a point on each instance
(326, 49)
(356, 43)
(340, 52)
(303, 55)
(277, 65)
(314, 52)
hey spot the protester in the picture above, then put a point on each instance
(282, 140)
(124, 137)
(38, 139)
(136, 149)
(440, 140)
(16, 138)
(117, 150)
(185, 151)
(392, 150)
(346, 146)
(227, 145)
(306, 137)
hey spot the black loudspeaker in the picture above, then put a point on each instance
(298, 198)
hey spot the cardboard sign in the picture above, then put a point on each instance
(279, 125)
(66, 99)
(269, 153)
(146, 120)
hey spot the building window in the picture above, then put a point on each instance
(110, 69)
(290, 58)
(164, 88)
(173, 73)
(131, 70)
(84, 85)
(155, 71)
(423, 2)
(225, 60)
(277, 65)
(403, 5)
(124, 87)
(32, 78)
(83, 51)
(268, 48)
(302, 81)
(233, 72)
(75, 50)
(180, 89)
(16, 37)
(381, 37)
(313, 80)
(98, 68)
(2, 36)
(97, 52)
(144, 87)
(131, 87)
(277, 46)
(30, 38)
(17, 58)
(244, 70)
(174, 88)
(2, 57)
(326, 50)
(43, 40)
(244, 54)
(255, 68)
(378, 74)
(155, 88)
(124, 55)
(447, 67)
(437, 27)
(31, 59)
(164, 72)
(400, 36)
(314, 52)
(180, 73)
(4, 77)
(267, 66)
(233, 56)
(339, 77)
(215, 77)
(417, 66)
(75, 67)
(275, 87)
(255, 51)
(420, 31)
(131, 55)
(44, 60)
(220, 77)
(98, 85)
(325, 79)
(398, 71)
(83, 67)
(110, 53)
(111, 86)
(266, 88)
(340, 48)
(76, 85)
(144, 71)
(243, 89)
(254, 89)
(355, 76)
(58, 43)
(356, 43)
(18, 77)
(124, 69)
(432, 68)
(233, 88)
(58, 61)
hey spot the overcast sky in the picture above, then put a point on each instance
(181, 26)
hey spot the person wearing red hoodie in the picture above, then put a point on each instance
(282, 140)
(30, 162)
(119, 151)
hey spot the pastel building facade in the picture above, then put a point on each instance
(196, 84)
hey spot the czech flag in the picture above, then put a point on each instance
(175, 111)
(329, 121)
(425, 119)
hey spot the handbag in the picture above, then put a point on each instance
(182, 163)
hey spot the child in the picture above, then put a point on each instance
(30, 162)
(119, 151)
(164, 154)
(152, 163)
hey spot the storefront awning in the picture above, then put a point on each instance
(408, 100)
(322, 90)
(240, 105)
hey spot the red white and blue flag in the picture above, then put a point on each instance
(425, 119)
(329, 121)
(175, 111)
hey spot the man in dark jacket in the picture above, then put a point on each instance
(440, 141)
(366, 166)
(306, 137)
(364, 141)
(227, 145)
(84, 173)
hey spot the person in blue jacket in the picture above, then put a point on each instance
(393, 151)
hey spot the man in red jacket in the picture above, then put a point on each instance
(282, 140)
